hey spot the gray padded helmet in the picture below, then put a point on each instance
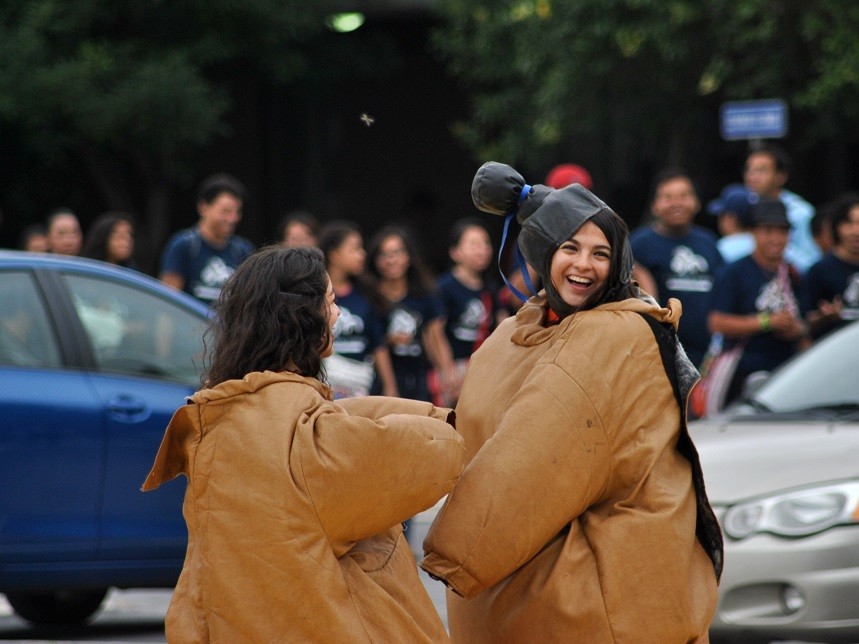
(548, 218)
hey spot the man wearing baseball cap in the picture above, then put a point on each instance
(755, 298)
(732, 212)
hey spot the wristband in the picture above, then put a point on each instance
(764, 321)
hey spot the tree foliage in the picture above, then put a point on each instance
(542, 72)
(125, 95)
(138, 75)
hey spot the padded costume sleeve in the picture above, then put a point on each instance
(380, 406)
(365, 475)
(548, 461)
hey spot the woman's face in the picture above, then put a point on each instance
(333, 314)
(349, 256)
(64, 235)
(474, 250)
(120, 242)
(297, 235)
(392, 260)
(580, 266)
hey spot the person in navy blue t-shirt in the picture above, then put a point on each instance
(755, 299)
(359, 335)
(676, 258)
(471, 305)
(199, 260)
(415, 320)
(830, 293)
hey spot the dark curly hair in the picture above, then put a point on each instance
(271, 315)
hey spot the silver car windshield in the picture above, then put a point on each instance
(826, 376)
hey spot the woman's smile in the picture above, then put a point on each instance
(581, 265)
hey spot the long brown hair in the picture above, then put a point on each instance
(271, 314)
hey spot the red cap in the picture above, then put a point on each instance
(567, 173)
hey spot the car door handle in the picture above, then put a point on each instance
(127, 408)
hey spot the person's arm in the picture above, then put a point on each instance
(436, 344)
(377, 407)
(546, 464)
(645, 279)
(781, 323)
(821, 312)
(826, 316)
(382, 358)
(173, 279)
(174, 261)
(364, 475)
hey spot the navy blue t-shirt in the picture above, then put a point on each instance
(829, 278)
(204, 268)
(744, 288)
(409, 317)
(359, 330)
(684, 268)
(467, 314)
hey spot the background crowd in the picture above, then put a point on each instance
(778, 275)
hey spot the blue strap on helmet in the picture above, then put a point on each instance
(520, 260)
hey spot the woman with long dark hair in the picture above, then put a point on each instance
(294, 502)
(415, 313)
(584, 518)
(110, 238)
(360, 363)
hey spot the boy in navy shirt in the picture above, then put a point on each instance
(676, 258)
(755, 299)
(830, 294)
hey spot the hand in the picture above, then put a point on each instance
(400, 338)
(830, 310)
(785, 326)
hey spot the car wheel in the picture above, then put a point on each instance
(57, 607)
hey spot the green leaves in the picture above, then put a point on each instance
(141, 77)
(646, 70)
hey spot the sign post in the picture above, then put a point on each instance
(753, 120)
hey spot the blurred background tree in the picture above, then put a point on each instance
(122, 96)
(127, 104)
(630, 85)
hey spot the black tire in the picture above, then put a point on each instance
(57, 607)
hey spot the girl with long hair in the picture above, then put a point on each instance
(110, 238)
(361, 362)
(415, 314)
(295, 502)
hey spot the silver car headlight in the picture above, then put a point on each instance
(795, 514)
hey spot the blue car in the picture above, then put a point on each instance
(94, 360)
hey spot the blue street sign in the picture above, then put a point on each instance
(754, 120)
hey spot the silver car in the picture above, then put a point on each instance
(782, 473)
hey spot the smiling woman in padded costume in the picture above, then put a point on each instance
(582, 516)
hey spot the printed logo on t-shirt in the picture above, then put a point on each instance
(213, 276)
(468, 325)
(689, 272)
(404, 324)
(772, 297)
(850, 299)
(348, 333)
